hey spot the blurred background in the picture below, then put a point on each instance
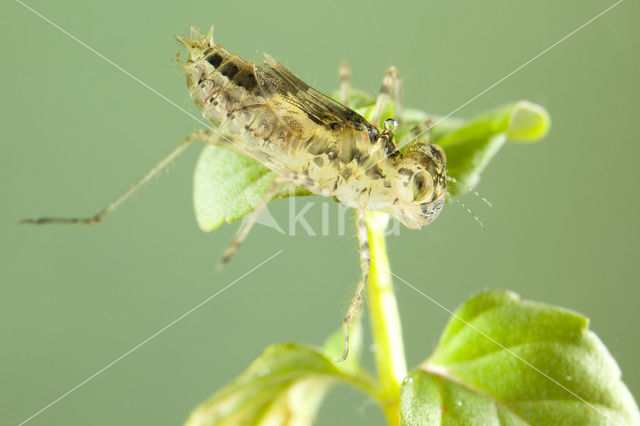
(564, 229)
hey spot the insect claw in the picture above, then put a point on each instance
(226, 257)
(345, 345)
(93, 220)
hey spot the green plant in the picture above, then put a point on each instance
(500, 360)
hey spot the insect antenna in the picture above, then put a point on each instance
(470, 189)
(468, 210)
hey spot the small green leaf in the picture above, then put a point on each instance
(528, 122)
(467, 160)
(470, 145)
(228, 186)
(521, 120)
(285, 385)
(470, 379)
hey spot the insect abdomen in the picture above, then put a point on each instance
(250, 106)
(229, 93)
(219, 81)
(225, 87)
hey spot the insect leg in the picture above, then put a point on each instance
(396, 97)
(390, 83)
(251, 220)
(365, 264)
(345, 82)
(201, 135)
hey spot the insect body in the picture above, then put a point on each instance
(308, 139)
(311, 140)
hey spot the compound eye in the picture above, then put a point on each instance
(374, 134)
(422, 186)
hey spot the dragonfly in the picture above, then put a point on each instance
(308, 140)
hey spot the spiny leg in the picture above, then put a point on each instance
(389, 83)
(365, 265)
(201, 135)
(345, 82)
(249, 222)
(397, 105)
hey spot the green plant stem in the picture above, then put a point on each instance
(385, 320)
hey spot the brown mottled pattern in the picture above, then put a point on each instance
(312, 139)
(271, 112)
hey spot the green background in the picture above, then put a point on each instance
(76, 131)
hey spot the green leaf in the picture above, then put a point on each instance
(470, 379)
(285, 385)
(520, 121)
(528, 122)
(470, 145)
(228, 186)
(467, 160)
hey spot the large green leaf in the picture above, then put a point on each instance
(471, 379)
(285, 385)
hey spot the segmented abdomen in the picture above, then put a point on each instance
(264, 123)
(225, 87)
